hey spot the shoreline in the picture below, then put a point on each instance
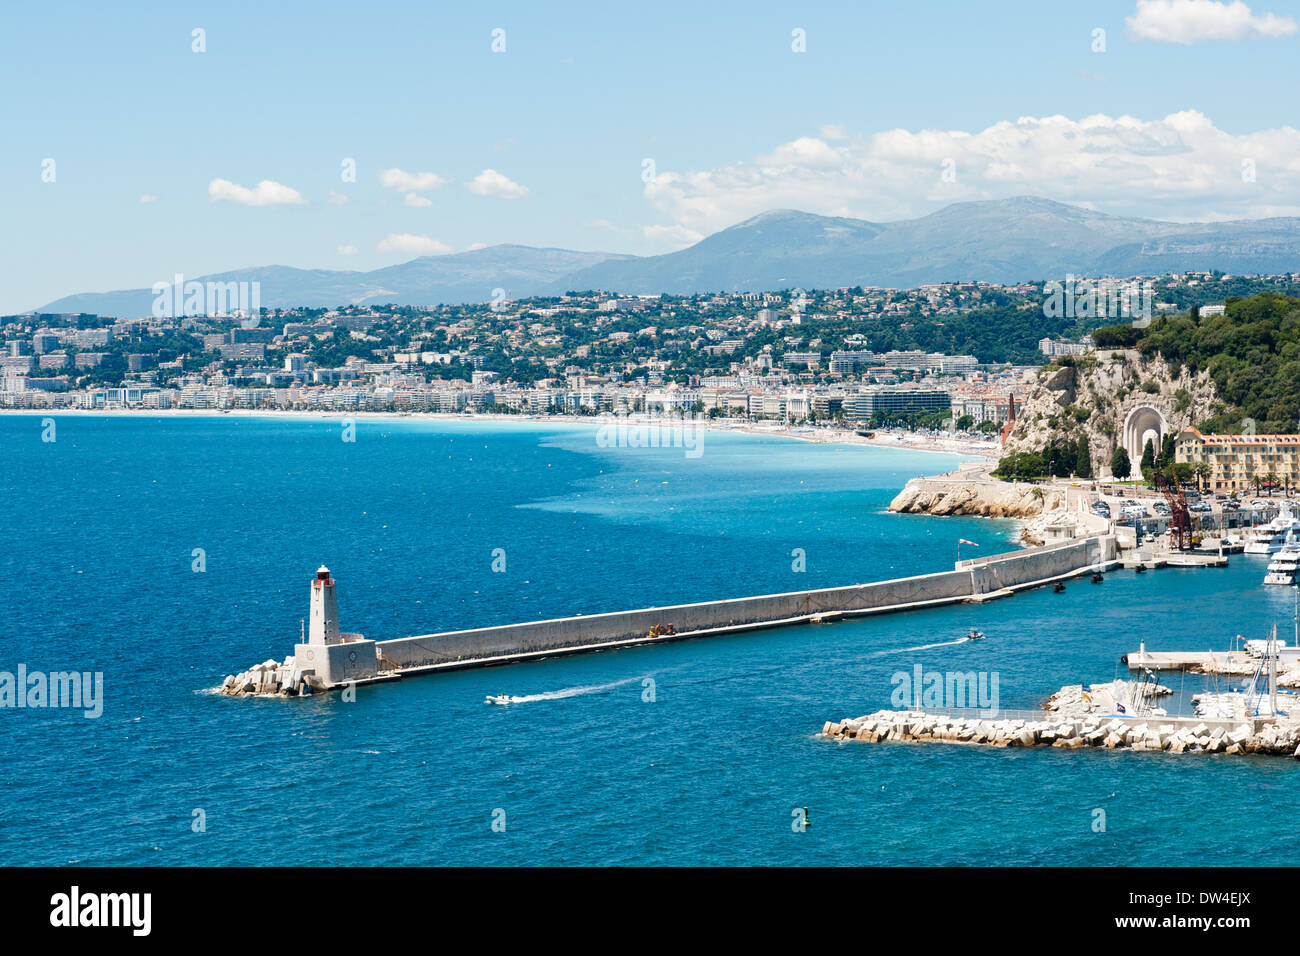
(909, 441)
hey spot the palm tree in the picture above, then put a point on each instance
(1201, 471)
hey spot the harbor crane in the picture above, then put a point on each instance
(1180, 516)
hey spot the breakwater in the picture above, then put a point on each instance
(330, 659)
(1152, 733)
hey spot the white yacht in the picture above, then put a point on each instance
(1282, 569)
(1274, 536)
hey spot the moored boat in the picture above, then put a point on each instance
(1284, 566)
(1277, 534)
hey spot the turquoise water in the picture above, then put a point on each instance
(97, 537)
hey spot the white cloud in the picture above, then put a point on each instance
(1189, 21)
(677, 236)
(475, 246)
(806, 151)
(492, 183)
(1178, 167)
(336, 199)
(406, 242)
(347, 250)
(265, 193)
(416, 201)
(402, 181)
(148, 197)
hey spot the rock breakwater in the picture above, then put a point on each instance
(269, 679)
(1180, 735)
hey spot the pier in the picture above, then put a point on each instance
(328, 658)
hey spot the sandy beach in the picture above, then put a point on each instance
(912, 441)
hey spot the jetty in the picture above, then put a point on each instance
(1176, 735)
(327, 658)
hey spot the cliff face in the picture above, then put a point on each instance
(1104, 395)
(966, 496)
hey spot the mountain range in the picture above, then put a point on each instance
(1008, 240)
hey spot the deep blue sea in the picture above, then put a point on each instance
(98, 533)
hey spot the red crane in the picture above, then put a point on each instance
(1180, 517)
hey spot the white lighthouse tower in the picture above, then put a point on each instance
(324, 610)
(331, 657)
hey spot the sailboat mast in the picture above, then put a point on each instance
(1272, 673)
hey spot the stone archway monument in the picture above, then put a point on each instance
(1143, 423)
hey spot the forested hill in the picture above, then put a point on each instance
(1252, 352)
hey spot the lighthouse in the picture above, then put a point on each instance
(324, 609)
(331, 657)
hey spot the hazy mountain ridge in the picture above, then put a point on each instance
(1009, 240)
(428, 280)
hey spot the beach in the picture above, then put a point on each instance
(912, 441)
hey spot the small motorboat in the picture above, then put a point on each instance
(1097, 577)
(1058, 587)
(498, 699)
(974, 635)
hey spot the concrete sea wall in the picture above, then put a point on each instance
(976, 579)
(323, 666)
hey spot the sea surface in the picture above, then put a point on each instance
(169, 552)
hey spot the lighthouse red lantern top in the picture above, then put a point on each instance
(322, 577)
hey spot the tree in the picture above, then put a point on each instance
(1148, 462)
(1120, 466)
(1168, 451)
(1083, 463)
(1202, 471)
(1023, 465)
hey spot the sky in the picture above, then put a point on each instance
(142, 140)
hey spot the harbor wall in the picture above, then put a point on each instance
(1034, 565)
(969, 580)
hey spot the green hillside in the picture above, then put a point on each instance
(1252, 352)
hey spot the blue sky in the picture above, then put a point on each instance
(158, 150)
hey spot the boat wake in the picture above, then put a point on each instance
(572, 691)
(921, 647)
